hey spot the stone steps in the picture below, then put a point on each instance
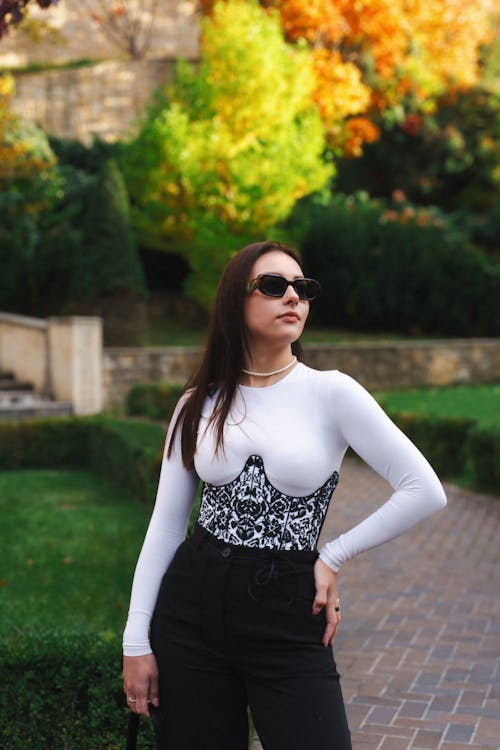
(10, 384)
(54, 409)
(18, 400)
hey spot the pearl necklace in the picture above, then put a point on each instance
(273, 372)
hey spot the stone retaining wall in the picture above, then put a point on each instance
(79, 35)
(377, 366)
(102, 99)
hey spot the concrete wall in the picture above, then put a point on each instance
(377, 366)
(75, 362)
(61, 357)
(23, 349)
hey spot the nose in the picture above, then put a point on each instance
(291, 295)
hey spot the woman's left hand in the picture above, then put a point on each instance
(326, 596)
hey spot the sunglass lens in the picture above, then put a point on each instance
(306, 288)
(274, 286)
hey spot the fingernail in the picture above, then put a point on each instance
(155, 702)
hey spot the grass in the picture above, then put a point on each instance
(163, 332)
(69, 544)
(327, 336)
(478, 402)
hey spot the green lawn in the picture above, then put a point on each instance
(165, 332)
(69, 545)
(478, 402)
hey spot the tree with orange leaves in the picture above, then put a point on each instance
(389, 58)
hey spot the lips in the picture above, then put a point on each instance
(289, 316)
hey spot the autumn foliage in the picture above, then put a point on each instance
(373, 57)
(24, 151)
(227, 151)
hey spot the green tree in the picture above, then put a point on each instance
(107, 277)
(224, 153)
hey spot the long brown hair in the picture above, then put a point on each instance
(224, 357)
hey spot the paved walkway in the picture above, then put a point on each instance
(419, 645)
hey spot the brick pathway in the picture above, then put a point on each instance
(419, 645)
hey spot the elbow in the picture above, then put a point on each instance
(437, 496)
(428, 493)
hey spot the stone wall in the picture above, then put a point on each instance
(77, 35)
(405, 364)
(124, 366)
(103, 99)
(377, 366)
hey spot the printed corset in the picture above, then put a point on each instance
(251, 512)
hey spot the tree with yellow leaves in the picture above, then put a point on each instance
(24, 149)
(225, 154)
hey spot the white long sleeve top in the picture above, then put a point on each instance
(289, 440)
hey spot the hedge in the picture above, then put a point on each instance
(484, 452)
(126, 451)
(379, 275)
(153, 400)
(63, 691)
(450, 444)
(455, 446)
(443, 440)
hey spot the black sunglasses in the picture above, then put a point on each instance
(275, 285)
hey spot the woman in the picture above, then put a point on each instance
(245, 611)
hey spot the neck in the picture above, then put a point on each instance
(264, 362)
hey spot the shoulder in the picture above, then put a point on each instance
(337, 391)
(332, 381)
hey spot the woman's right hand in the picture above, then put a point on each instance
(140, 681)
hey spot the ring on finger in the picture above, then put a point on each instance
(132, 700)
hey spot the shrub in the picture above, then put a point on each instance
(484, 450)
(44, 443)
(128, 453)
(449, 158)
(407, 271)
(153, 400)
(455, 447)
(62, 690)
(107, 276)
(442, 440)
(88, 158)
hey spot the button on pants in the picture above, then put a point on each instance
(233, 627)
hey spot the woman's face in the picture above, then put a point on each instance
(276, 320)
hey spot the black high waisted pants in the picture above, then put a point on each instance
(233, 626)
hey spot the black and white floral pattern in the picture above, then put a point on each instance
(251, 512)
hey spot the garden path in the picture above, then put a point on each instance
(419, 644)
